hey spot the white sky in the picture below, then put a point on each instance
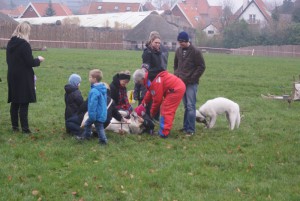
(236, 3)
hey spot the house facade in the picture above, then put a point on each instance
(199, 14)
(254, 12)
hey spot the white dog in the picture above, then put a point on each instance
(209, 111)
(132, 126)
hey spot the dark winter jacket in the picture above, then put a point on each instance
(154, 59)
(190, 67)
(112, 112)
(20, 75)
(73, 100)
(115, 91)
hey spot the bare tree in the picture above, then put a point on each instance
(227, 13)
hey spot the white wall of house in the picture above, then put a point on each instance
(252, 15)
(211, 30)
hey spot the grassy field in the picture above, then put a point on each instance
(259, 161)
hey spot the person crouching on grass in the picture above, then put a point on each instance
(166, 91)
(97, 107)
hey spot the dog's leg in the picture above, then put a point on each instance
(212, 121)
(232, 120)
(238, 120)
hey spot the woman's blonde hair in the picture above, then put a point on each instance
(22, 31)
(153, 35)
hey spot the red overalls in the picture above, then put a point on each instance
(166, 91)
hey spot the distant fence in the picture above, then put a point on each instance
(68, 36)
(280, 51)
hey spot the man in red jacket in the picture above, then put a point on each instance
(166, 91)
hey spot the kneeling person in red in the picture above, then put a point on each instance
(166, 91)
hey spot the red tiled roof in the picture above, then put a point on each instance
(110, 7)
(40, 8)
(263, 9)
(199, 12)
(15, 12)
(149, 6)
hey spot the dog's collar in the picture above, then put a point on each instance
(202, 114)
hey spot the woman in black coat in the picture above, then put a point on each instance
(20, 76)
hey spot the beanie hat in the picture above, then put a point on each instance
(74, 79)
(183, 37)
(123, 76)
(140, 110)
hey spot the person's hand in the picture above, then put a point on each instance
(41, 58)
(124, 120)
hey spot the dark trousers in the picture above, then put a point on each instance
(73, 125)
(16, 110)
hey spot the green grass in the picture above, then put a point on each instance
(259, 161)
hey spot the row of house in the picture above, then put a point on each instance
(185, 15)
(197, 14)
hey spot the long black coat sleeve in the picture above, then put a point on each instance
(20, 74)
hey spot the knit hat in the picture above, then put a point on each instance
(74, 79)
(140, 110)
(123, 76)
(183, 37)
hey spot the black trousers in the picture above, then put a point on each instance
(16, 110)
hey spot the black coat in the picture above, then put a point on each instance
(115, 88)
(20, 75)
(154, 59)
(73, 100)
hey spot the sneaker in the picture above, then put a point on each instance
(82, 138)
(26, 131)
(189, 134)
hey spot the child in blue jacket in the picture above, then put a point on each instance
(97, 107)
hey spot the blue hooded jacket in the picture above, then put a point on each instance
(97, 106)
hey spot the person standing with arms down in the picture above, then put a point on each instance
(189, 66)
(20, 76)
(155, 55)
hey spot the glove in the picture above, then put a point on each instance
(140, 110)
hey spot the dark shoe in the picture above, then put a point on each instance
(26, 131)
(15, 129)
(82, 138)
(103, 142)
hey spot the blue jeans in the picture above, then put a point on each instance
(189, 101)
(99, 129)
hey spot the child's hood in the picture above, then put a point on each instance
(100, 87)
(70, 88)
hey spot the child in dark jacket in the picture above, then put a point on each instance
(73, 97)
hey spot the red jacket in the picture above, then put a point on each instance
(158, 89)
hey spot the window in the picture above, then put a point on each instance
(252, 18)
(99, 7)
(128, 8)
(210, 32)
(116, 7)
